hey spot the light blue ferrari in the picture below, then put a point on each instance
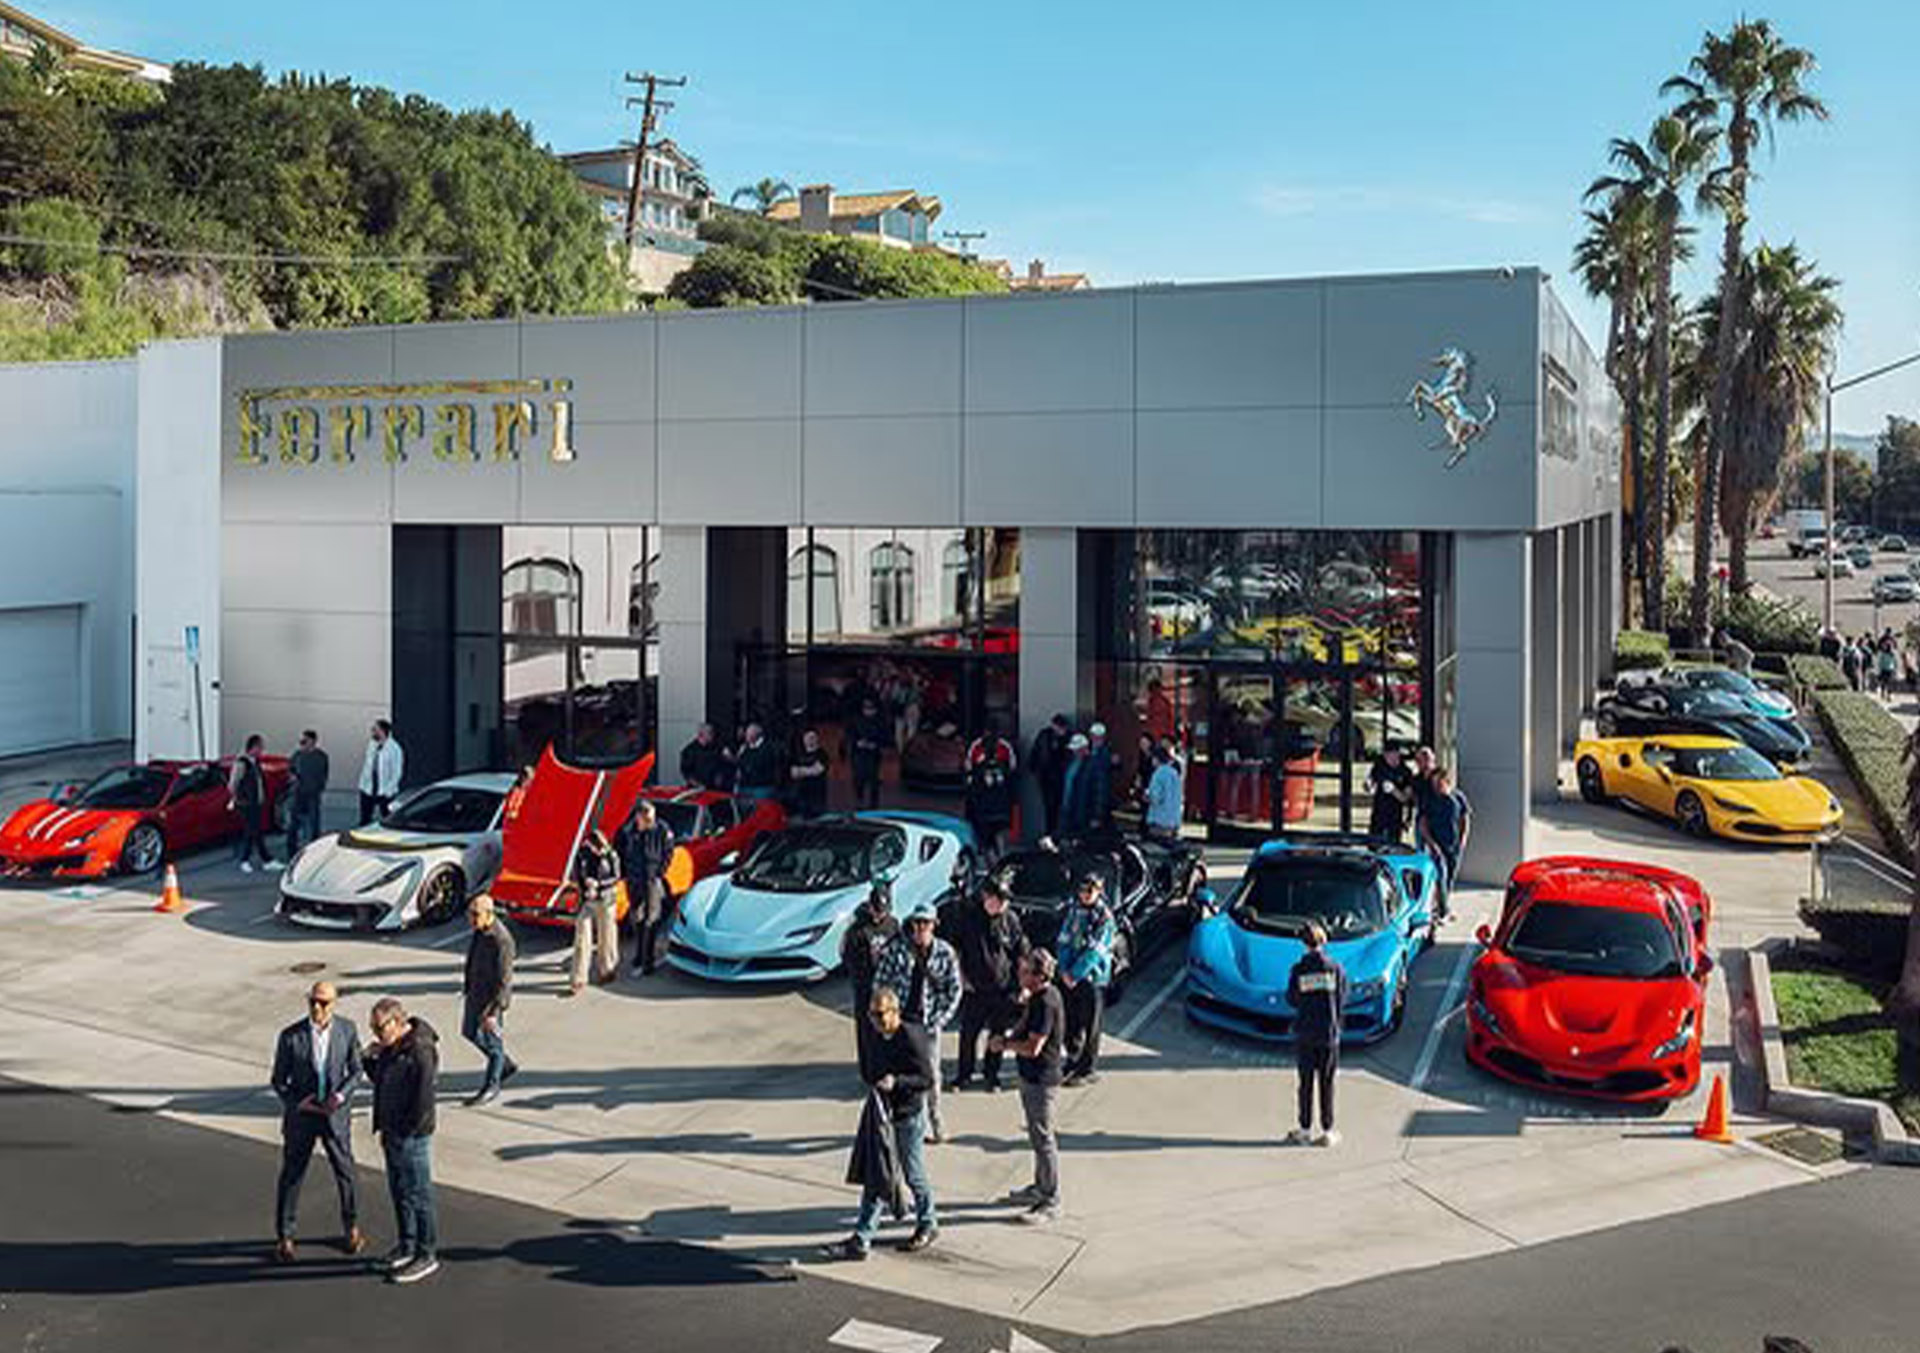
(781, 914)
(1377, 901)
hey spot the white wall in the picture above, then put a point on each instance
(67, 479)
(177, 546)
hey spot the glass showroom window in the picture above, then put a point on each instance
(956, 578)
(813, 592)
(539, 597)
(890, 573)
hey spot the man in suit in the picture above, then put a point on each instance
(316, 1065)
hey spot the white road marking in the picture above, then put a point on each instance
(1864, 849)
(262, 918)
(1423, 1068)
(448, 942)
(883, 1338)
(1020, 1343)
(1146, 1012)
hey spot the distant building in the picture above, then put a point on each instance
(1037, 278)
(672, 199)
(20, 33)
(902, 218)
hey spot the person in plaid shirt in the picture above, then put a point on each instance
(924, 972)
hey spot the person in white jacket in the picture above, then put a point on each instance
(380, 771)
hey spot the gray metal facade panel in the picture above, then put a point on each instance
(1050, 354)
(731, 364)
(900, 471)
(1229, 468)
(883, 359)
(1229, 347)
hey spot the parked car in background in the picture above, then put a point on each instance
(1594, 980)
(1861, 557)
(1855, 535)
(711, 828)
(1895, 588)
(1837, 564)
(432, 850)
(1642, 710)
(1150, 885)
(1893, 544)
(1709, 786)
(1377, 902)
(131, 819)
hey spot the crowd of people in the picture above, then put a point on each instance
(1419, 792)
(1878, 664)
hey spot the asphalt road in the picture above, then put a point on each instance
(1853, 608)
(123, 1230)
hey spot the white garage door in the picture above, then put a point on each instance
(39, 678)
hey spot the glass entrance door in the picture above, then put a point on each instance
(1287, 749)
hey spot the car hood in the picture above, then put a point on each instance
(1253, 959)
(345, 864)
(1558, 1016)
(719, 906)
(1796, 798)
(46, 824)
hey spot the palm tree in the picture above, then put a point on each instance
(1615, 260)
(1790, 322)
(1659, 176)
(1744, 81)
(763, 194)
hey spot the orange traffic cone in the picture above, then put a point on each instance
(1713, 1128)
(170, 899)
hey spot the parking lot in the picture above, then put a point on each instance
(1854, 609)
(722, 1116)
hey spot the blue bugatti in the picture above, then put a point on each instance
(1377, 901)
(780, 915)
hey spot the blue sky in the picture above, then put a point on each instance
(1167, 142)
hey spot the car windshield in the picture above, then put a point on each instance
(820, 859)
(1282, 895)
(1718, 679)
(450, 810)
(1048, 877)
(1701, 704)
(682, 819)
(126, 787)
(1723, 763)
(1595, 942)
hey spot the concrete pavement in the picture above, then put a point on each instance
(722, 1117)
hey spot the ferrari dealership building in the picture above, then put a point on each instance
(1280, 523)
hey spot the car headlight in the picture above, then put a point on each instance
(808, 934)
(392, 876)
(1833, 804)
(1734, 805)
(1679, 1040)
(1485, 1016)
(76, 842)
(1359, 993)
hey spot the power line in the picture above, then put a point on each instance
(652, 107)
(216, 256)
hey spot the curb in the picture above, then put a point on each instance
(1865, 1120)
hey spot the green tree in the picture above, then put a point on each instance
(1659, 176)
(1790, 322)
(1897, 481)
(1853, 483)
(1741, 82)
(762, 195)
(728, 274)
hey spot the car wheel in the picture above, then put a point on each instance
(1122, 968)
(441, 896)
(143, 850)
(1593, 786)
(1397, 1016)
(1692, 815)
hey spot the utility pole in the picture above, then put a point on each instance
(1833, 388)
(651, 108)
(966, 239)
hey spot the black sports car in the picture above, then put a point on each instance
(1150, 885)
(1642, 710)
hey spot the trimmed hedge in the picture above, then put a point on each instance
(1873, 746)
(1871, 932)
(1635, 649)
(1815, 672)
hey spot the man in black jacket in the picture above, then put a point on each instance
(1047, 763)
(316, 1064)
(645, 847)
(1317, 990)
(757, 766)
(903, 1063)
(873, 929)
(990, 942)
(403, 1066)
(704, 762)
(487, 991)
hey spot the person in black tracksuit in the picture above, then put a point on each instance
(1317, 990)
(645, 847)
(873, 929)
(990, 942)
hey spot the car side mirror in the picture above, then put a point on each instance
(1206, 900)
(1484, 935)
(68, 792)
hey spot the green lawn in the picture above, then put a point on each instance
(1838, 1038)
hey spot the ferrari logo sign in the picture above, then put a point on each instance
(453, 422)
(1460, 426)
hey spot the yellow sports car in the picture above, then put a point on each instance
(1710, 786)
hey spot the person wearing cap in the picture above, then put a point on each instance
(1076, 793)
(990, 942)
(1317, 991)
(872, 930)
(922, 969)
(1085, 951)
(1100, 761)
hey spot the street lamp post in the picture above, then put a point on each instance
(1833, 388)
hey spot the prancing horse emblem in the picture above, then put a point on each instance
(1447, 397)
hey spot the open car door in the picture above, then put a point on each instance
(543, 832)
